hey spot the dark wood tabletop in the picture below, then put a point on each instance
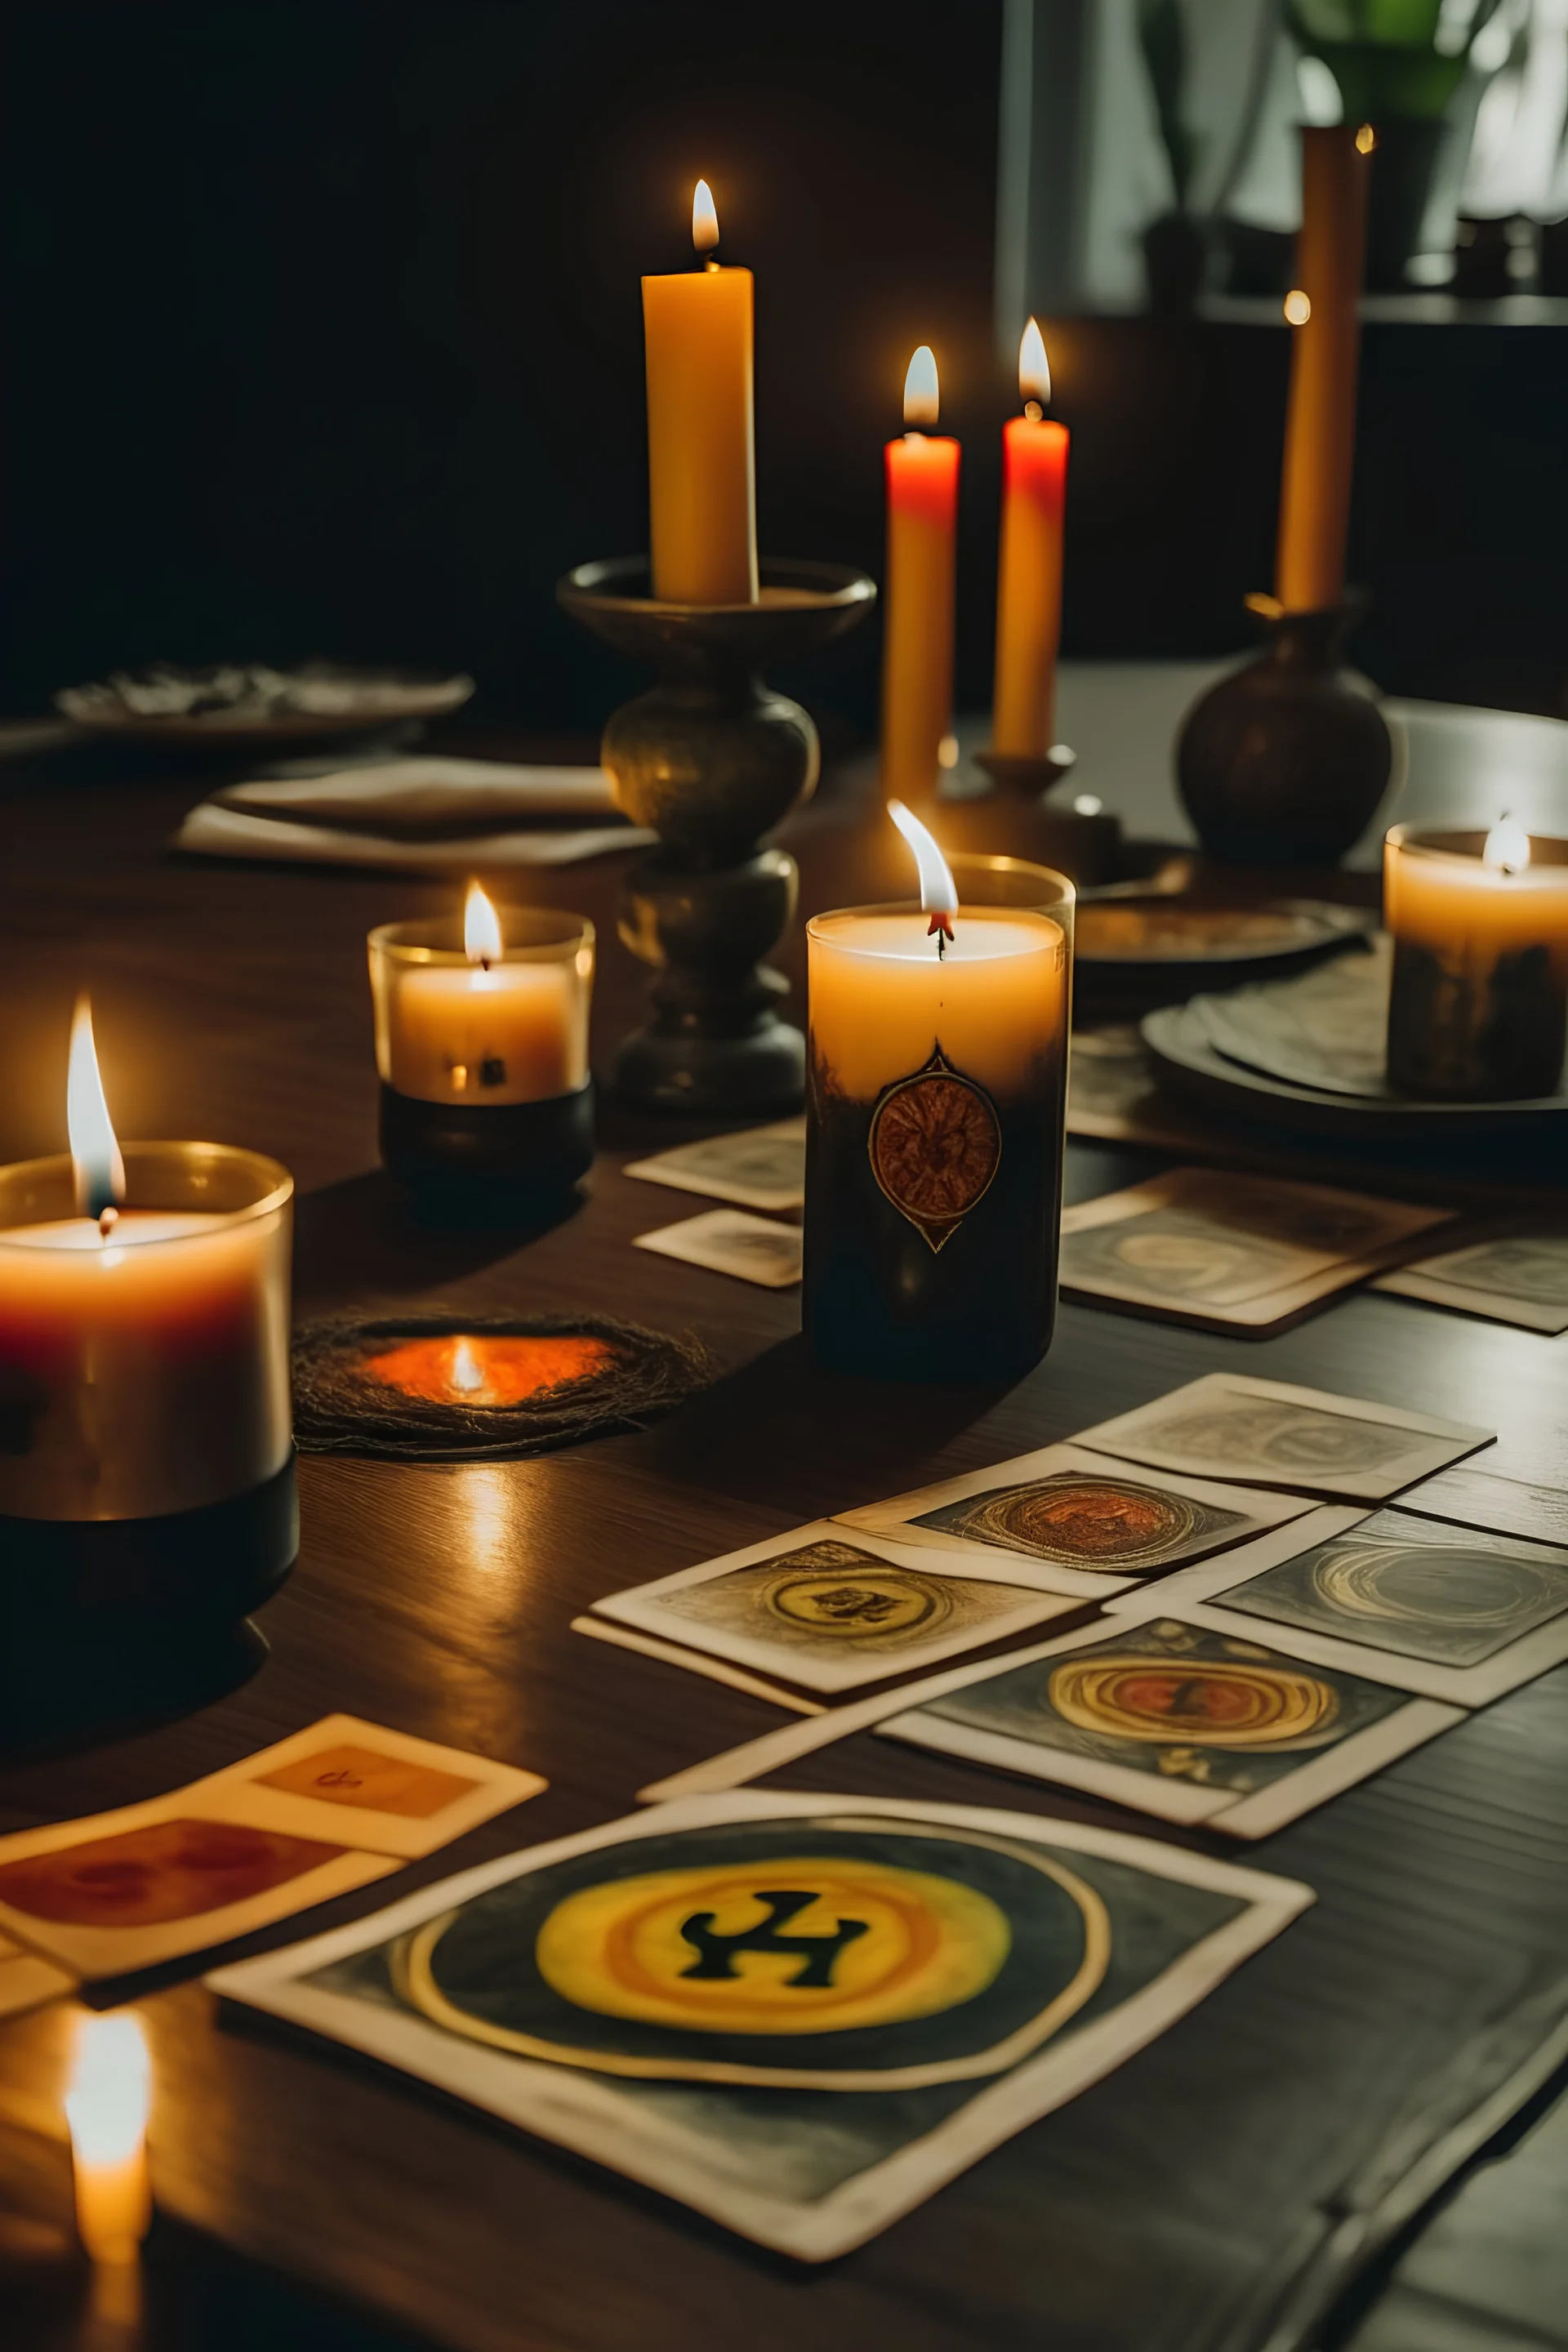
(231, 1003)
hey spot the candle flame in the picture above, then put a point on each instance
(923, 403)
(704, 218)
(1034, 368)
(1297, 307)
(465, 1376)
(481, 929)
(107, 2103)
(95, 1154)
(1508, 846)
(938, 892)
(1366, 140)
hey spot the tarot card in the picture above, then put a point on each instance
(1086, 1525)
(729, 1241)
(1453, 1613)
(829, 1611)
(1521, 1278)
(1173, 1719)
(693, 1662)
(1227, 1426)
(1230, 1251)
(764, 1167)
(26, 1981)
(801, 2015)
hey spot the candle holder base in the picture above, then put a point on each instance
(104, 1580)
(1013, 820)
(517, 1156)
(1284, 761)
(711, 758)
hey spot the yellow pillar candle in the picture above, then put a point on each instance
(106, 2108)
(1319, 426)
(503, 1019)
(1477, 1007)
(917, 645)
(1029, 572)
(702, 505)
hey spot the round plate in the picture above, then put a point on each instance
(1183, 1053)
(1153, 933)
(334, 703)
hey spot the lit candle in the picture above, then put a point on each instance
(144, 1337)
(1478, 1009)
(938, 1057)
(703, 505)
(1029, 575)
(917, 645)
(106, 2108)
(1325, 343)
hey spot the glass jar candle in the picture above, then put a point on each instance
(1478, 1008)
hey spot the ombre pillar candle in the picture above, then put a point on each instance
(934, 1134)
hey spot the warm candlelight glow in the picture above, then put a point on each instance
(492, 1369)
(1508, 846)
(1034, 371)
(1366, 140)
(464, 1375)
(1297, 307)
(481, 929)
(938, 892)
(704, 219)
(106, 2107)
(99, 1170)
(921, 400)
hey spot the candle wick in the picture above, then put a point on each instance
(107, 1220)
(484, 964)
(1033, 411)
(710, 263)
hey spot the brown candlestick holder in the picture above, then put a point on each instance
(712, 760)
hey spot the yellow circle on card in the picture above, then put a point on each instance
(807, 1944)
(857, 1604)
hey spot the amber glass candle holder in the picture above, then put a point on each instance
(146, 1459)
(935, 1130)
(486, 1096)
(1478, 1009)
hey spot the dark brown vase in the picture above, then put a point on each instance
(1285, 760)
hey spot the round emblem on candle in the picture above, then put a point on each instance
(860, 1602)
(1212, 1703)
(935, 1146)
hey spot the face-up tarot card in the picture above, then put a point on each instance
(1230, 1251)
(829, 1611)
(1522, 1279)
(1227, 1426)
(1173, 1719)
(1087, 1525)
(1454, 1613)
(800, 2015)
(330, 1809)
(727, 1241)
(764, 1167)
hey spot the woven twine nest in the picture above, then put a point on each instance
(341, 1407)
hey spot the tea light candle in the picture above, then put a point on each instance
(106, 2108)
(1478, 1009)
(702, 501)
(938, 1060)
(144, 1337)
(917, 646)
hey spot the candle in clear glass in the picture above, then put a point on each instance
(934, 1137)
(511, 1028)
(144, 1369)
(1478, 1009)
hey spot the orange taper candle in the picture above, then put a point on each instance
(1029, 575)
(1320, 427)
(703, 502)
(917, 649)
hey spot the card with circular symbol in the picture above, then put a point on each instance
(1174, 1717)
(1459, 1613)
(1084, 1524)
(801, 2015)
(829, 1611)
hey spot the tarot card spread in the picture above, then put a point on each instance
(1174, 1718)
(764, 1167)
(1087, 1525)
(1227, 1426)
(727, 1241)
(828, 1613)
(1521, 1279)
(1243, 1252)
(1456, 1613)
(800, 2015)
(328, 1809)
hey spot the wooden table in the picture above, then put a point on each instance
(231, 1001)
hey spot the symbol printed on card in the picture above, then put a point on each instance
(935, 1145)
(364, 1777)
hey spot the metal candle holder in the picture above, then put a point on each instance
(712, 760)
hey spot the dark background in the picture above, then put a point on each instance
(322, 334)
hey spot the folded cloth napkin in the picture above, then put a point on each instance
(416, 816)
